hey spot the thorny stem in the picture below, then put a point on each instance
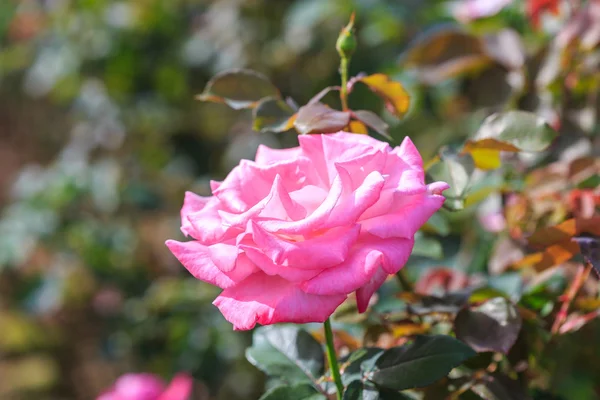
(332, 359)
(569, 295)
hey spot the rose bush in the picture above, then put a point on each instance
(290, 235)
(149, 387)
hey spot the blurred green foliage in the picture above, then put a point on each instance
(100, 136)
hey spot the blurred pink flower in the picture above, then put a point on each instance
(469, 10)
(290, 235)
(441, 280)
(149, 387)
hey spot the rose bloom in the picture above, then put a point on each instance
(149, 387)
(290, 235)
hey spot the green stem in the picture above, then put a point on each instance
(332, 358)
(344, 90)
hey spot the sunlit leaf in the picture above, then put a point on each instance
(396, 97)
(457, 171)
(420, 363)
(551, 256)
(238, 88)
(319, 118)
(288, 352)
(273, 115)
(491, 326)
(511, 131)
(358, 127)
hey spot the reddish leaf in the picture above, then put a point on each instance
(319, 118)
(551, 256)
(564, 231)
(491, 326)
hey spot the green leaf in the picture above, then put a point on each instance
(427, 247)
(420, 363)
(273, 115)
(439, 224)
(456, 170)
(288, 352)
(373, 121)
(319, 118)
(238, 88)
(358, 390)
(509, 131)
(296, 392)
(358, 363)
(491, 326)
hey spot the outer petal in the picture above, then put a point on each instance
(206, 225)
(191, 204)
(409, 153)
(196, 258)
(266, 155)
(268, 300)
(363, 295)
(408, 217)
(319, 252)
(270, 268)
(358, 269)
(349, 153)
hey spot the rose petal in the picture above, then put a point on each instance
(342, 207)
(192, 203)
(206, 225)
(319, 252)
(358, 269)
(268, 300)
(266, 155)
(363, 295)
(196, 258)
(408, 152)
(235, 193)
(407, 216)
(276, 205)
(270, 268)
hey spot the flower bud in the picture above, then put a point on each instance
(346, 42)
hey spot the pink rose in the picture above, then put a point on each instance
(289, 236)
(149, 387)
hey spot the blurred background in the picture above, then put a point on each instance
(100, 136)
